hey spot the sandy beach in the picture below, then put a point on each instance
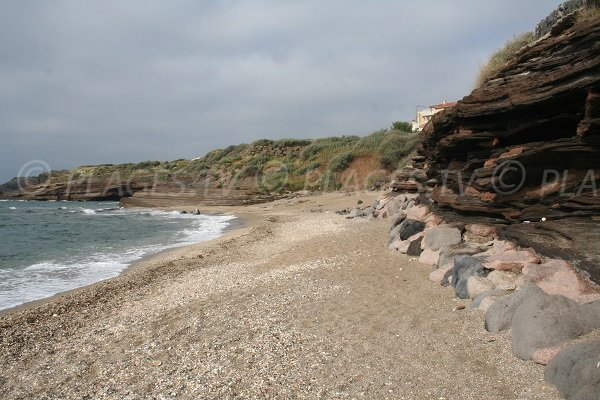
(298, 303)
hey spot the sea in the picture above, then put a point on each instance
(51, 247)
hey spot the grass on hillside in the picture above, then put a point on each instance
(276, 164)
(502, 56)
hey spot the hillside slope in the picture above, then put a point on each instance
(238, 174)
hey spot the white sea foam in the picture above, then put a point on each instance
(47, 278)
(12, 208)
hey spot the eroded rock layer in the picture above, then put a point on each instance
(525, 147)
(526, 144)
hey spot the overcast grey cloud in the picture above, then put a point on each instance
(85, 82)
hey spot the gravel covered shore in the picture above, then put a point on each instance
(301, 303)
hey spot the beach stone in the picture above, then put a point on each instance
(441, 236)
(429, 257)
(560, 278)
(398, 244)
(379, 204)
(575, 371)
(545, 355)
(441, 276)
(477, 300)
(409, 204)
(448, 254)
(410, 227)
(414, 248)
(353, 213)
(548, 320)
(394, 205)
(367, 211)
(499, 316)
(395, 233)
(487, 302)
(503, 280)
(465, 267)
(402, 245)
(418, 212)
(504, 256)
(397, 219)
(477, 285)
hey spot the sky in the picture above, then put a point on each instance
(88, 82)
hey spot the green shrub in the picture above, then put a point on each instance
(369, 144)
(402, 126)
(330, 144)
(308, 168)
(340, 162)
(291, 142)
(145, 164)
(502, 56)
(395, 147)
(262, 142)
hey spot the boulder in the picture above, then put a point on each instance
(429, 257)
(440, 237)
(441, 276)
(414, 248)
(477, 285)
(417, 212)
(448, 254)
(394, 233)
(465, 267)
(410, 227)
(499, 316)
(495, 293)
(545, 321)
(403, 245)
(503, 280)
(545, 355)
(575, 371)
(504, 256)
(559, 277)
(394, 205)
(488, 302)
(397, 219)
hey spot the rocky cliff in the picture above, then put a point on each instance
(525, 146)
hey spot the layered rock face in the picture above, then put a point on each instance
(526, 145)
(522, 152)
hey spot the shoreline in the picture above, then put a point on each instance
(299, 302)
(238, 223)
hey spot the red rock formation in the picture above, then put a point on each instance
(527, 143)
(525, 146)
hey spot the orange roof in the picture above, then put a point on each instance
(445, 104)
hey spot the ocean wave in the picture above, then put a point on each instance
(49, 277)
(12, 208)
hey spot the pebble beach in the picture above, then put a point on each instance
(297, 303)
